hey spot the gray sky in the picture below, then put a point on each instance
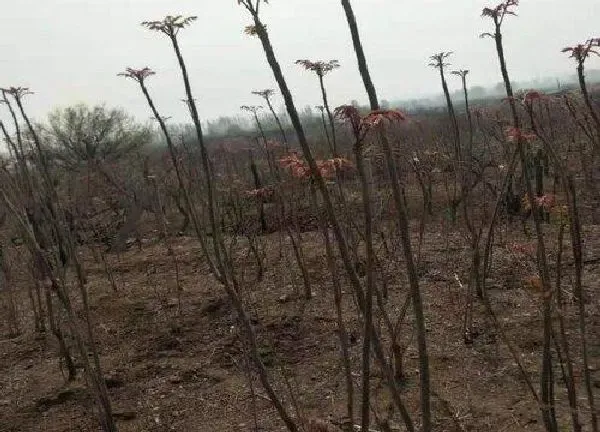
(69, 51)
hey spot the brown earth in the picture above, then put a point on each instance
(187, 371)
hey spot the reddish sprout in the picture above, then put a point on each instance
(321, 68)
(522, 248)
(378, 118)
(328, 168)
(137, 74)
(533, 282)
(502, 9)
(265, 94)
(170, 25)
(533, 95)
(273, 145)
(361, 125)
(350, 114)
(438, 60)
(514, 134)
(298, 168)
(252, 30)
(547, 201)
(581, 52)
(17, 92)
(261, 193)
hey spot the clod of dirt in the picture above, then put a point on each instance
(166, 342)
(167, 354)
(176, 329)
(284, 298)
(215, 306)
(60, 397)
(210, 377)
(114, 381)
(139, 307)
(317, 425)
(124, 414)
(176, 379)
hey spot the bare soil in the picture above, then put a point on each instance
(185, 370)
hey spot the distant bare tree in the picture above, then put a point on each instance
(83, 135)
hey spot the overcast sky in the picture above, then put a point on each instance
(70, 51)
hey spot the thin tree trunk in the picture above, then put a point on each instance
(257, 186)
(7, 283)
(57, 218)
(210, 198)
(414, 286)
(298, 254)
(326, 130)
(337, 295)
(469, 119)
(404, 228)
(63, 348)
(180, 180)
(329, 116)
(588, 102)
(546, 375)
(564, 339)
(368, 308)
(223, 261)
(336, 227)
(360, 55)
(279, 125)
(576, 242)
(451, 114)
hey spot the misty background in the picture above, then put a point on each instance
(70, 51)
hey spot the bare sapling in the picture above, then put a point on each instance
(266, 95)
(258, 29)
(359, 130)
(568, 216)
(337, 296)
(294, 234)
(140, 75)
(53, 276)
(378, 119)
(497, 15)
(170, 26)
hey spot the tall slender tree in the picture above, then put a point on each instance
(403, 221)
(438, 61)
(498, 14)
(580, 53)
(462, 73)
(140, 76)
(260, 30)
(170, 26)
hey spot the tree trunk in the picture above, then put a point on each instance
(360, 55)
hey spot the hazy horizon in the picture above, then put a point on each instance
(70, 51)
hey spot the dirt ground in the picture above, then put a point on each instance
(171, 369)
